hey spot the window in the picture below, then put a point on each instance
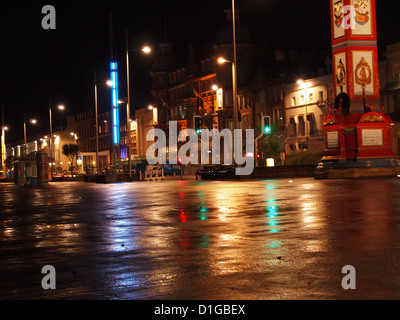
(302, 126)
(321, 97)
(246, 121)
(292, 128)
(312, 125)
(293, 101)
(302, 99)
(311, 98)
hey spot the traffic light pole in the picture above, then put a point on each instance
(259, 137)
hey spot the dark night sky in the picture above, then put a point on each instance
(60, 63)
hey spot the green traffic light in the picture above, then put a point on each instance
(267, 129)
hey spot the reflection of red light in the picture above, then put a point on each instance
(183, 216)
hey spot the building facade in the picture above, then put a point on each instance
(57, 160)
(389, 77)
(307, 104)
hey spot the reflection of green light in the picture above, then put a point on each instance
(203, 215)
(204, 243)
(272, 214)
(273, 223)
(274, 244)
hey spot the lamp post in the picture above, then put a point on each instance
(304, 85)
(3, 149)
(234, 71)
(59, 107)
(234, 91)
(32, 121)
(145, 50)
(108, 83)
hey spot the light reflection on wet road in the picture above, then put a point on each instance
(272, 239)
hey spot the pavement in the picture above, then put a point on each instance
(202, 240)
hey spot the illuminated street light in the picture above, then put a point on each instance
(32, 121)
(3, 149)
(304, 85)
(222, 60)
(61, 108)
(145, 50)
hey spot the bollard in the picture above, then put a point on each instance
(162, 174)
(156, 175)
(140, 175)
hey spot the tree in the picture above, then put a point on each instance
(272, 144)
(71, 151)
(272, 147)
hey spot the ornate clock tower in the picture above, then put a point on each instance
(358, 133)
(355, 52)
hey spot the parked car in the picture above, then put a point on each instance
(216, 172)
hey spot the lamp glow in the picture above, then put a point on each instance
(146, 49)
(222, 60)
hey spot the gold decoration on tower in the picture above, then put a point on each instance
(363, 73)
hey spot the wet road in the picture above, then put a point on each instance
(242, 240)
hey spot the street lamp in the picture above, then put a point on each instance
(145, 50)
(305, 85)
(32, 121)
(61, 108)
(3, 149)
(222, 60)
(234, 71)
(108, 83)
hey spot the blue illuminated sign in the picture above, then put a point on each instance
(114, 98)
